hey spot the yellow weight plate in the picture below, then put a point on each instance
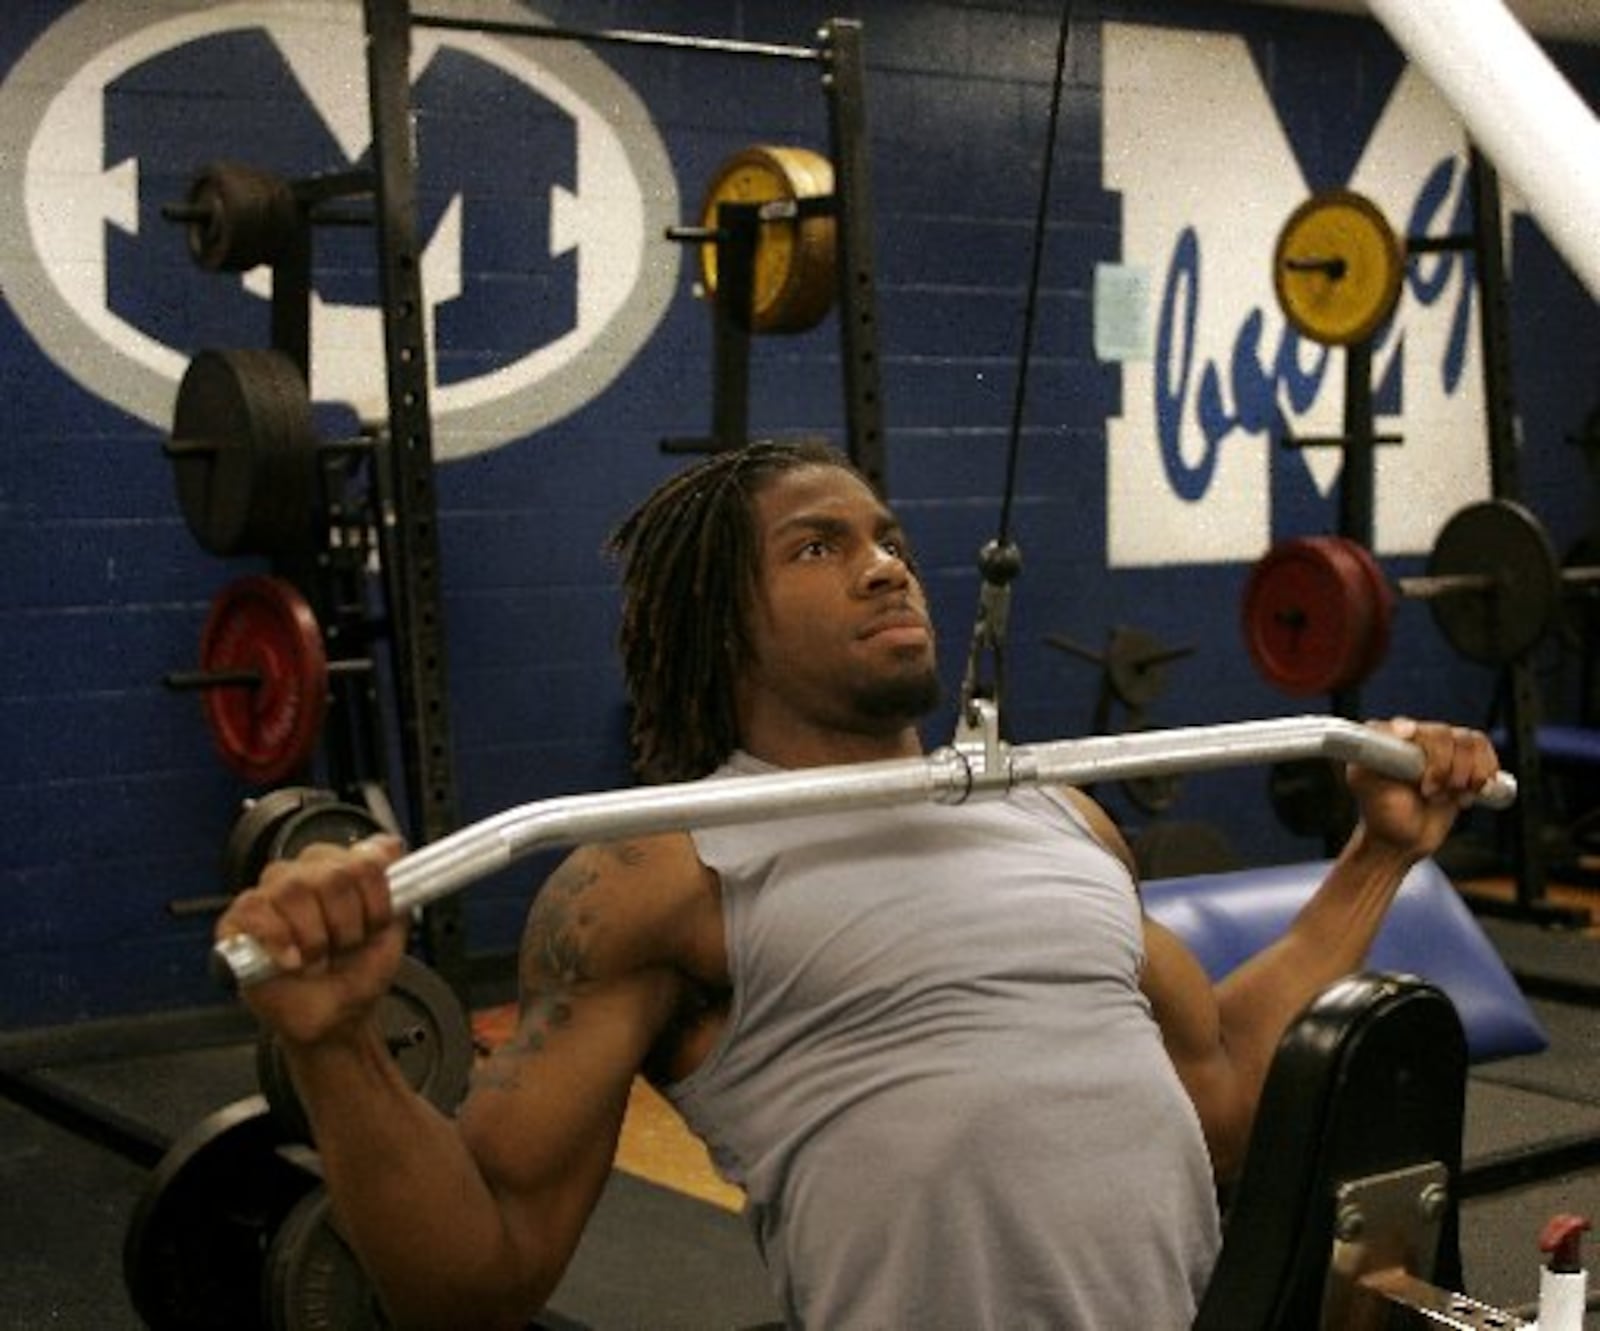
(1337, 268)
(793, 282)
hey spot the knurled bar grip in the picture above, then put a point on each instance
(949, 775)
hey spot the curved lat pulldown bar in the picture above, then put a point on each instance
(950, 775)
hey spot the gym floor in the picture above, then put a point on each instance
(85, 1114)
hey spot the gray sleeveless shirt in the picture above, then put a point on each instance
(940, 1085)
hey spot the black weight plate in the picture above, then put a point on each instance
(249, 847)
(193, 1252)
(430, 1033)
(212, 465)
(311, 1280)
(1504, 542)
(1152, 794)
(244, 452)
(1310, 798)
(250, 217)
(1136, 667)
(324, 823)
(427, 1030)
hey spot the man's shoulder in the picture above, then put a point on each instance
(644, 900)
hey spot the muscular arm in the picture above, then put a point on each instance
(1222, 1038)
(471, 1221)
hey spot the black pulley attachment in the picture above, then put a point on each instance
(999, 563)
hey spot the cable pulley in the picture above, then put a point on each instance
(999, 565)
(1000, 560)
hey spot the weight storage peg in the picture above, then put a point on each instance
(1133, 673)
(1317, 610)
(1134, 663)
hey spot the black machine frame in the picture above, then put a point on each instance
(1517, 701)
(412, 567)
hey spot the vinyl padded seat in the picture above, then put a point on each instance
(1430, 933)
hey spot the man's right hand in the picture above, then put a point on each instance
(326, 920)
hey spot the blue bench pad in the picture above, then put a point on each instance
(1227, 917)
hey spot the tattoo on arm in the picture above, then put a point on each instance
(552, 961)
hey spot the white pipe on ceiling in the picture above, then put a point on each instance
(1541, 136)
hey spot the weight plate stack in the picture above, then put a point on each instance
(192, 1255)
(244, 454)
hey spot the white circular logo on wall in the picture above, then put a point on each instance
(543, 190)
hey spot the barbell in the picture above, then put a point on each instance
(1317, 610)
(985, 767)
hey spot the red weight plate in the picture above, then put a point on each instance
(262, 624)
(1383, 600)
(1343, 555)
(1307, 616)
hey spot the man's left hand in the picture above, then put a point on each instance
(1415, 817)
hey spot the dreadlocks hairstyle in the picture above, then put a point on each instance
(690, 557)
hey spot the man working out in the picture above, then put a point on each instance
(962, 1079)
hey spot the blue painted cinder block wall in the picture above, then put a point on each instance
(1179, 120)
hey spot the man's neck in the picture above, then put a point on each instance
(832, 748)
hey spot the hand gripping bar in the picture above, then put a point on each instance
(949, 775)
